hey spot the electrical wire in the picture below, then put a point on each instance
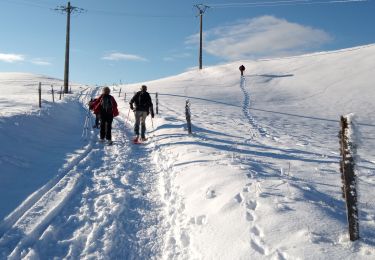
(101, 12)
(256, 3)
(282, 3)
(140, 15)
(27, 3)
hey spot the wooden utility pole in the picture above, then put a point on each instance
(67, 49)
(202, 9)
(68, 10)
(201, 40)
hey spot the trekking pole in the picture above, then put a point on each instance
(153, 129)
(127, 119)
(152, 124)
(85, 126)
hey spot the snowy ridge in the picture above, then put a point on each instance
(285, 182)
(257, 179)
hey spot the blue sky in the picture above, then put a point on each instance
(135, 41)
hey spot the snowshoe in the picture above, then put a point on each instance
(137, 140)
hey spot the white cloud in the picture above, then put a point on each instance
(265, 36)
(116, 56)
(11, 58)
(40, 62)
(177, 56)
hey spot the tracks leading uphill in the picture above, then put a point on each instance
(256, 129)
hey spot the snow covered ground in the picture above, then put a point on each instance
(258, 179)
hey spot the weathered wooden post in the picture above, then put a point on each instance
(53, 94)
(125, 97)
(40, 94)
(188, 116)
(61, 91)
(119, 93)
(70, 90)
(342, 151)
(348, 153)
(157, 102)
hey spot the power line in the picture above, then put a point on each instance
(254, 3)
(31, 4)
(140, 15)
(69, 9)
(283, 3)
(98, 12)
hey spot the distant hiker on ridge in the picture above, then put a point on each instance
(143, 106)
(106, 107)
(242, 69)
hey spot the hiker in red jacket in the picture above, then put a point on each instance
(97, 116)
(106, 107)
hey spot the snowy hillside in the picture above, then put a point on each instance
(258, 179)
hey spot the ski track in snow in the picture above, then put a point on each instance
(102, 205)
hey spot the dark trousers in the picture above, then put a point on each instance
(97, 120)
(106, 126)
(140, 119)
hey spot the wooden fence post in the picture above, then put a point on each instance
(342, 151)
(40, 94)
(53, 94)
(61, 91)
(349, 178)
(157, 102)
(188, 115)
(119, 93)
(125, 97)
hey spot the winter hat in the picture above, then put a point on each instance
(106, 90)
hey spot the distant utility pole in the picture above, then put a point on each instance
(202, 9)
(68, 10)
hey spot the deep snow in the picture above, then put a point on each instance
(258, 179)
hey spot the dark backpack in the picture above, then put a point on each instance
(106, 104)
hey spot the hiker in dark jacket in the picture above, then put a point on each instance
(143, 107)
(106, 107)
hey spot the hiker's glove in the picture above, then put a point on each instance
(131, 107)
